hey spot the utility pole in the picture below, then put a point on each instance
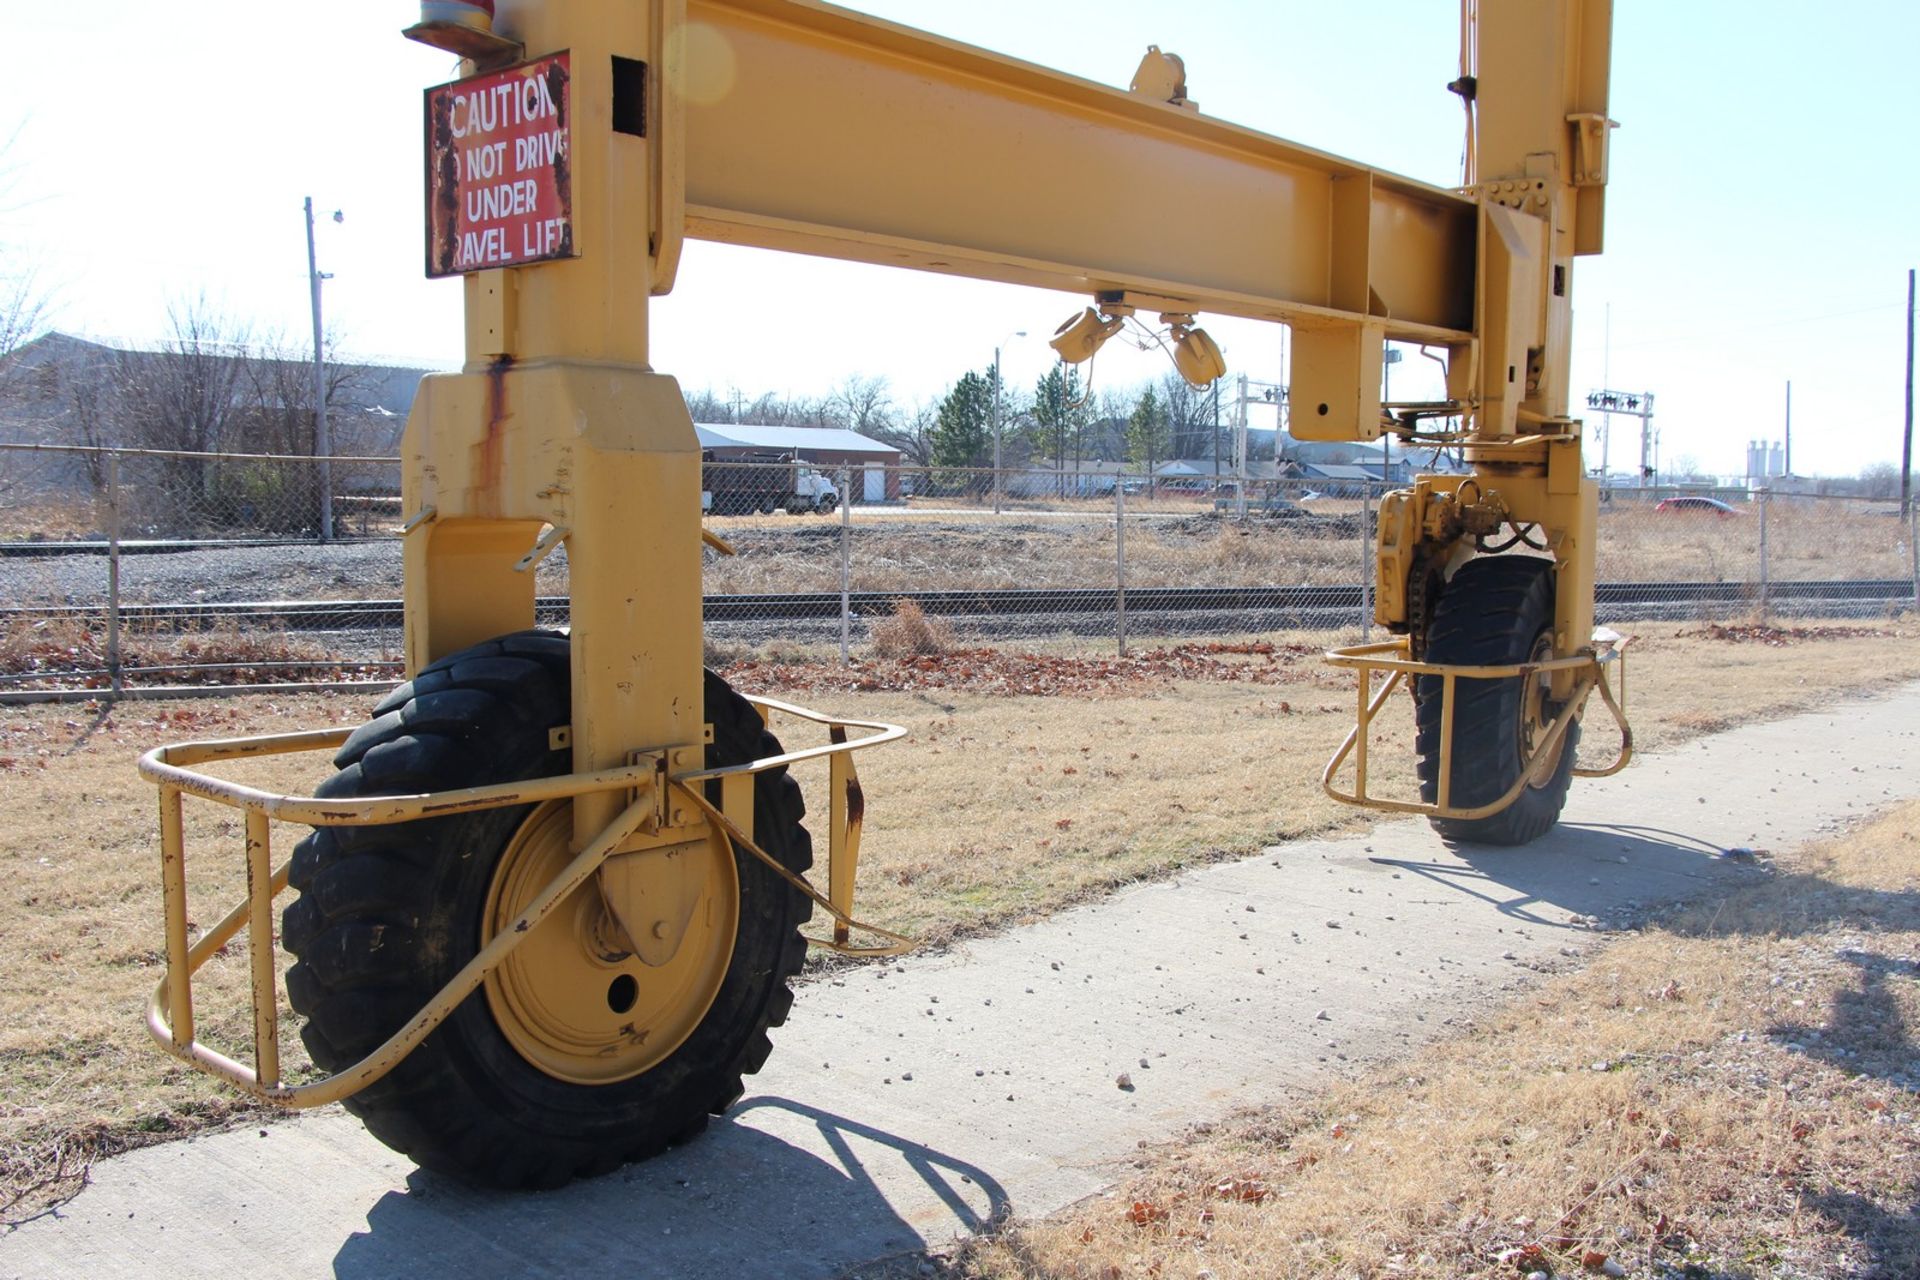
(1788, 463)
(1606, 380)
(1906, 439)
(1240, 451)
(1216, 433)
(322, 439)
(1017, 333)
(1391, 357)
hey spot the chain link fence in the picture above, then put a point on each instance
(138, 570)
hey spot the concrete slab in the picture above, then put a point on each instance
(909, 1103)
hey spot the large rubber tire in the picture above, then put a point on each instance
(386, 915)
(1496, 610)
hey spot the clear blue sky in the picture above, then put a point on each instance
(1761, 216)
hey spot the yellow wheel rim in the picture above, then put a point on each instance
(571, 999)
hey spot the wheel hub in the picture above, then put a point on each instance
(1537, 713)
(572, 999)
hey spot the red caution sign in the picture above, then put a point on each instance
(499, 169)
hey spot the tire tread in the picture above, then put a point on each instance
(364, 935)
(1488, 615)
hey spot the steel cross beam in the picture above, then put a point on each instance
(813, 129)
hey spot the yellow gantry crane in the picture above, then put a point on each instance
(602, 839)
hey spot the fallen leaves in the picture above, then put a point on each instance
(1244, 1190)
(1033, 674)
(1775, 637)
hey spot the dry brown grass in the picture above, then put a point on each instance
(1730, 1093)
(1002, 807)
(51, 520)
(947, 553)
(1184, 544)
(1062, 797)
(1804, 541)
(223, 653)
(908, 631)
(81, 927)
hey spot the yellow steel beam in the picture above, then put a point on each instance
(813, 129)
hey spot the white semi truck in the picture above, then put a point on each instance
(763, 483)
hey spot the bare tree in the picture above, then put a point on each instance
(1877, 480)
(911, 432)
(704, 406)
(862, 404)
(1189, 414)
(23, 300)
(276, 390)
(772, 409)
(275, 414)
(23, 313)
(189, 396)
(1107, 436)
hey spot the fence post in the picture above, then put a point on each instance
(1120, 563)
(1913, 550)
(1764, 504)
(1366, 562)
(846, 562)
(113, 572)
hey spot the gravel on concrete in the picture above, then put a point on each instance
(924, 1098)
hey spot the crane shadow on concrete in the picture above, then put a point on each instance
(777, 1188)
(1590, 869)
(1630, 875)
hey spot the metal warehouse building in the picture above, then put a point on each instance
(874, 474)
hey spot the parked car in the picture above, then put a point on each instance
(1698, 505)
(1258, 503)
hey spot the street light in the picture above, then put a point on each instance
(322, 441)
(1392, 357)
(1017, 333)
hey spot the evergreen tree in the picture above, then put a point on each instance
(963, 426)
(1058, 414)
(1147, 432)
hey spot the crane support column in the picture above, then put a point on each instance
(557, 428)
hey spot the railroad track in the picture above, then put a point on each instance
(374, 615)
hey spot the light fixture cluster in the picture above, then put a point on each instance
(1195, 354)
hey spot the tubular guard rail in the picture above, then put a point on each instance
(1590, 673)
(170, 1015)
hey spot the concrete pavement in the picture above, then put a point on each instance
(909, 1103)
